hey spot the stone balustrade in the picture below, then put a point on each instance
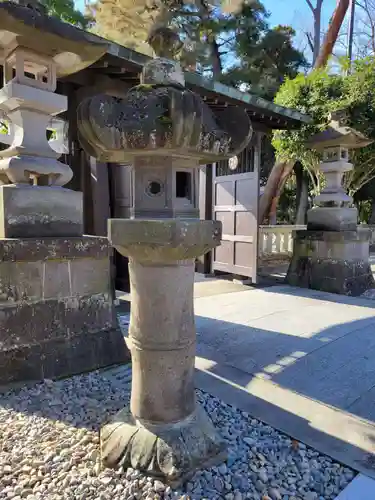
(276, 242)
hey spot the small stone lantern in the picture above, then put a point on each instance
(333, 210)
(166, 132)
(36, 50)
(56, 309)
(332, 255)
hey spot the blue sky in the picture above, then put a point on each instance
(296, 13)
(292, 12)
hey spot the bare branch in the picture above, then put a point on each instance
(310, 5)
(310, 41)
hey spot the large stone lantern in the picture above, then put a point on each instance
(332, 255)
(166, 132)
(56, 308)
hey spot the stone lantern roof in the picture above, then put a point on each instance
(26, 24)
(339, 134)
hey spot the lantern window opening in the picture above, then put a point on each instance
(183, 185)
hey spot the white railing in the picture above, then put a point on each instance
(276, 242)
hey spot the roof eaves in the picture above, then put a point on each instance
(139, 59)
(246, 98)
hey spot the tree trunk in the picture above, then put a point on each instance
(332, 33)
(275, 184)
(302, 188)
(275, 181)
(317, 12)
(216, 61)
(270, 189)
(217, 67)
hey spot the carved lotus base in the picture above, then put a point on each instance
(171, 452)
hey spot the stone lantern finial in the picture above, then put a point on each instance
(164, 42)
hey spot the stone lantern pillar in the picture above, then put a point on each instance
(56, 312)
(166, 132)
(332, 255)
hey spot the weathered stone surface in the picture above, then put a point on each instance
(170, 451)
(158, 177)
(162, 345)
(48, 249)
(163, 433)
(24, 323)
(160, 120)
(336, 262)
(62, 357)
(332, 219)
(163, 71)
(55, 307)
(36, 211)
(165, 131)
(163, 240)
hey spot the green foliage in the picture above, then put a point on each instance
(66, 11)
(4, 128)
(359, 87)
(238, 49)
(267, 158)
(318, 94)
(212, 30)
(287, 206)
(265, 62)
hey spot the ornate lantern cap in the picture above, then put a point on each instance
(26, 24)
(339, 134)
(161, 117)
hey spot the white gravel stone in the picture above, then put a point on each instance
(49, 450)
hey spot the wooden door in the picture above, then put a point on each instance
(235, 204)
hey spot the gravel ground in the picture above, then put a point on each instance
(49, 450)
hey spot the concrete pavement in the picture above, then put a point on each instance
(302, 361)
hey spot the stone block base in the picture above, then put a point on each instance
(56, 310)
(171, 452)
(62, 357)
(37, 211)
(332, 219)
(335, 262)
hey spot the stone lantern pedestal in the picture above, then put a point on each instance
(56, 308)
(332, 255)
(165, 132)
(163, 432)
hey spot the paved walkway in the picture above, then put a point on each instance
(300, 360)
